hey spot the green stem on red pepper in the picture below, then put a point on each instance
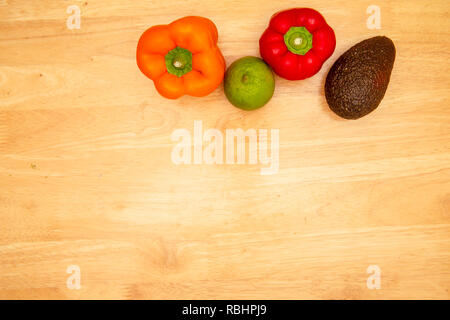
(298, 40)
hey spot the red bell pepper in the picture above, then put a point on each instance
(297, 43)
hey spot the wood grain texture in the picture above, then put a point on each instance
(86, 176)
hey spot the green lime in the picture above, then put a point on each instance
(249, 83)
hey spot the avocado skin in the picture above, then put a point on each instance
(357, 81)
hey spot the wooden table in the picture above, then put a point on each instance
(87, 180)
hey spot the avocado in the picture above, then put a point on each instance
(357, 81)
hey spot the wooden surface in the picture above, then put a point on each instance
(86, 176)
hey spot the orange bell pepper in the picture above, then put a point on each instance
(182, 57)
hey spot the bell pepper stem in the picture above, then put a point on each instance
(178, 61)
(298, 40)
